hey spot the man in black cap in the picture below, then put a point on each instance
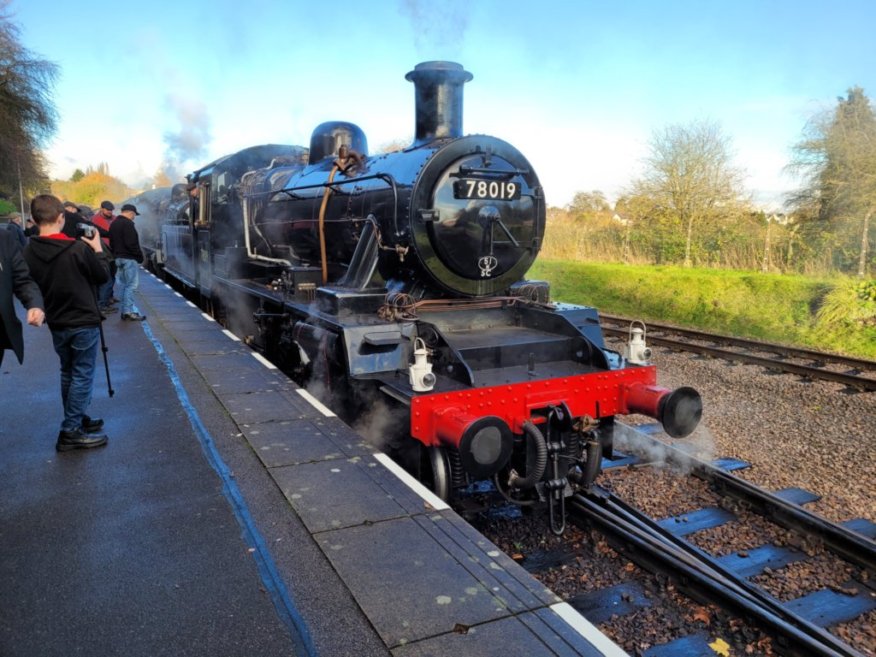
(125, 245)
(104, 216)
(102, 220)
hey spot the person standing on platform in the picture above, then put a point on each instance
(15, 279)
(67, 271)
(72, 216)
(30, 227)
(102, 220)
(14, 227)
(125, 245)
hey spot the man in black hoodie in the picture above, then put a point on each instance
(67, 271)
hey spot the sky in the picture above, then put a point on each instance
(579, 86)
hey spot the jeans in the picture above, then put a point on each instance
(128, 277)
(105, 292)
(77, 349)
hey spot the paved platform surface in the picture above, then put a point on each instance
(232, 514)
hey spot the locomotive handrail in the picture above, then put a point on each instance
(387, 178)
(498, 173)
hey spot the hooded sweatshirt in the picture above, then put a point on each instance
(67, 272)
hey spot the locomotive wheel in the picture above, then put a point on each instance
(439, 467)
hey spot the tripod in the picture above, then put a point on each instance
(109, 385)
(103, 347)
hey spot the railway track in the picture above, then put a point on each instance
(859, 374)
(797, 626)
(729, 561)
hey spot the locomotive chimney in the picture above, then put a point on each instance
(438, 88)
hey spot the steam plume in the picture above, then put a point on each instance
(437, 26)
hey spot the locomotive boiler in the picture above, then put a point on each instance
(393, 286)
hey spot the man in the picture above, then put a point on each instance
(15, 279)
(67, 271)
(14, 227)
(102, 220)
(125, 245)
(72, 216)
(31, 228)
(104, 216)
(194, 202)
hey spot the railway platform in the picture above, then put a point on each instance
(233, 514)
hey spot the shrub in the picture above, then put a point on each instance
(850, 303)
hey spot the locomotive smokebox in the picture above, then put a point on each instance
(438, 88)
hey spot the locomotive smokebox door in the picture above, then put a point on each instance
(479, 217)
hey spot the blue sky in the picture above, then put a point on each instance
(579, 87)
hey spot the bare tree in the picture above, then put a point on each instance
(689, 171)
(27, 114)
(584, 202)
(837, 157)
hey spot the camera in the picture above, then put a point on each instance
(85, 230)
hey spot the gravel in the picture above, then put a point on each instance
(812, 435)
(794, 433)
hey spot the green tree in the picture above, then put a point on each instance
(837, 158)
(27, 113)
(78, 175)
(689, 173)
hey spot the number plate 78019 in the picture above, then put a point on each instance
(489, 190)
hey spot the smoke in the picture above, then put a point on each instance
(698, 445)
(438, 27)
(188, 143)
(376, 424)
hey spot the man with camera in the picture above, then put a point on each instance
(125, 245)
(75, 223)
(67, 270)
(72, 216)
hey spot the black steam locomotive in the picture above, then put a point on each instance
(392, 285)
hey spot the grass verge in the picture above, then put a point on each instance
(772, 307)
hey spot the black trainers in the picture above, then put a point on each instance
(68, 440)
(133, 317)
(91, 424)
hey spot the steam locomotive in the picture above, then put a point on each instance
(392, 286)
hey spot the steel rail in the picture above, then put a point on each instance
(655, 549)
(754, 345)
(845, 543)
(850, 380)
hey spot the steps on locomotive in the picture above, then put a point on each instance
(510, 346)
(499, 355)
